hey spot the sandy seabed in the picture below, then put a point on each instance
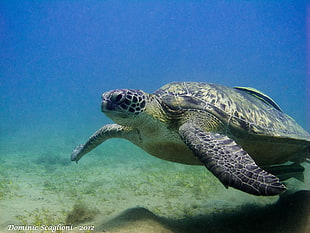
(127, 190)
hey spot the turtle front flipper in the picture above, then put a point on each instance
(229, 162)
(101, 135)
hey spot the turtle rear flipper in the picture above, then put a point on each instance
(285, 172)
(229, 162)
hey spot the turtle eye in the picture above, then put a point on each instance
(118, 97)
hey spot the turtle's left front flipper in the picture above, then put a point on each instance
(101, 135)
(229, 162)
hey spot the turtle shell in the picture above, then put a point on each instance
(243, 110)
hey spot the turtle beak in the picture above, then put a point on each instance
(107, 105)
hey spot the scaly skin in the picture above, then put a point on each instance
(234, 133)
(101, 135)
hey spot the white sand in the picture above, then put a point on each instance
(124, 190)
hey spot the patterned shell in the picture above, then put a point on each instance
(235, 107)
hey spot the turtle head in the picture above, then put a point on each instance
(121, 104)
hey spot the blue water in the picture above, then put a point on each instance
(58, 57)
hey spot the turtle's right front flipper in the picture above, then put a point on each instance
(229, 162)
(104, 133)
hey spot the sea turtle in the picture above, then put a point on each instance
(237, 133)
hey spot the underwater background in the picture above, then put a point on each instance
(58, 57)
